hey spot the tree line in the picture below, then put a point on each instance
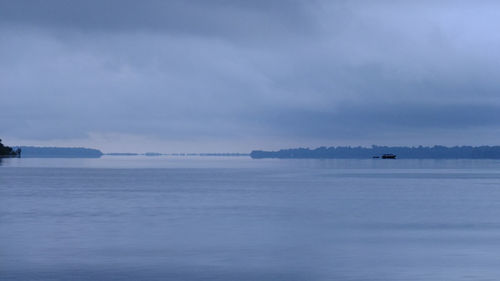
(417, 152)
(6, 151)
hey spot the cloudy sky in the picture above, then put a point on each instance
(232, 76)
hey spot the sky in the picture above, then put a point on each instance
(233, 76)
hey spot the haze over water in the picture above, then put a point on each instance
(216, 218)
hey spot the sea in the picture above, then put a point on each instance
(242, 219)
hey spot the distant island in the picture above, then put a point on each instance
(6, 151)
(60, 152)
(419, 152)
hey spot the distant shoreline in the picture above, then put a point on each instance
(419, 152)
(59, 152)
(82, 152)
(176, 154)
(339, 152)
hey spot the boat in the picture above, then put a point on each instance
(389, 156)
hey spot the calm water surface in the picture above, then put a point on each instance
(203, 218)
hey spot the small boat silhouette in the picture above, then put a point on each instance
(389, 156)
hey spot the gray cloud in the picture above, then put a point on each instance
(228, 19)
(256, 73)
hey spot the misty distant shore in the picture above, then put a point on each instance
(176, 154)
(83, 152)
(59, 152)
(342, 152)
(419, 152)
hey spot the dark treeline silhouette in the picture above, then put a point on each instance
(60, 152)
(419, 152)
(6, 151)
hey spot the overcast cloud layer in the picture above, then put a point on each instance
(198, 76)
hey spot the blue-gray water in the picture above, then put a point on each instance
(203, 218)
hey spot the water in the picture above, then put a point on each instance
(203, 218)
